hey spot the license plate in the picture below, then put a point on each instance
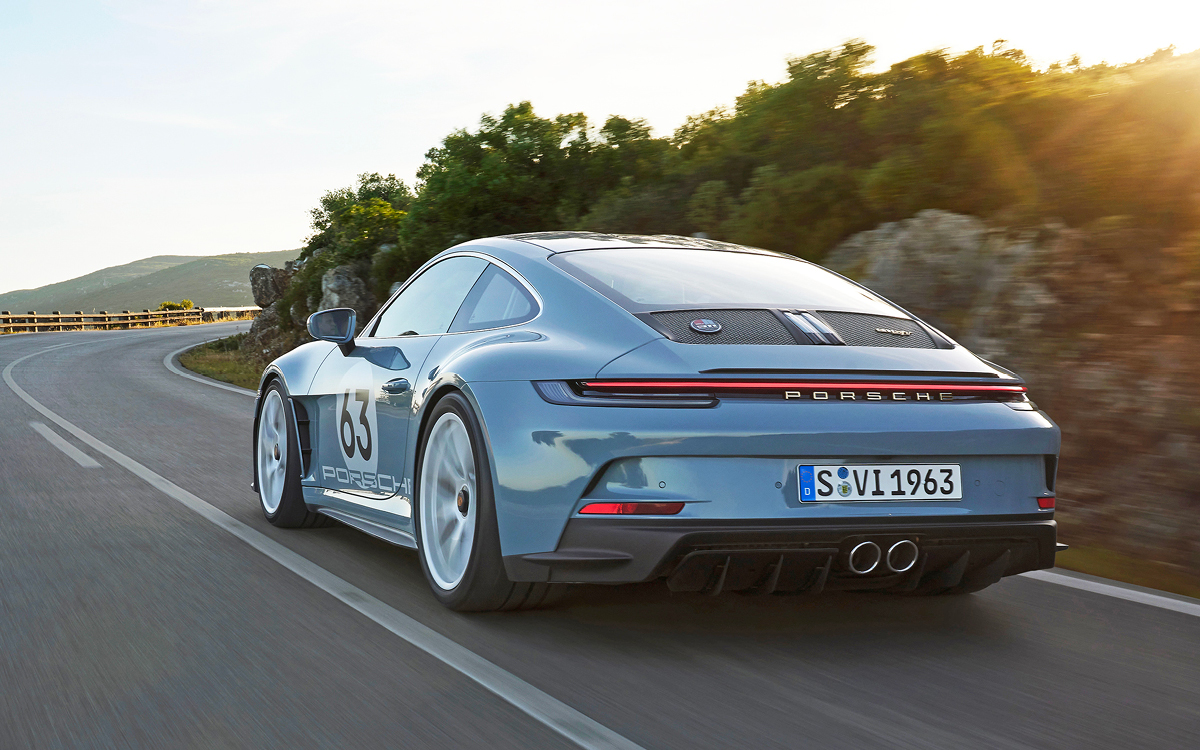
(827, 483)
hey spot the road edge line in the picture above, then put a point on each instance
(169, 363)
(1117, 592)
(535, 703)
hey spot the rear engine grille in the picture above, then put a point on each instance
(858, 329)
(737, 327)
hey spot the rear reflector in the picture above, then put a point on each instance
(1046, 503)
(632, 509)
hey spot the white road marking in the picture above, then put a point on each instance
(1117, 592)
(72, 452)
(170, 365)
(558, 716)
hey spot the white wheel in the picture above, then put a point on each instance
(272, 452)
(455, 516)
(448, 501)
(277, 464)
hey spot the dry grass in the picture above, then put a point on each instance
(222, 360)
(1140, 572)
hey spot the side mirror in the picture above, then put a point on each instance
(336, 325)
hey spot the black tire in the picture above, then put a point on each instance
(292, 512)
(484, 585)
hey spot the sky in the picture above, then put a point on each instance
(132, 128)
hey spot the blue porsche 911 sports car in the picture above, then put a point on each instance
(566, 407)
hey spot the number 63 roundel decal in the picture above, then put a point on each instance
(357, 423)
(351, 436)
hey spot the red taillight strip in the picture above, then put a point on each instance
(754, 385)
(632, 509)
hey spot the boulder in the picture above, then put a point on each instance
(299, 317)
(1102, 324)
(268, 284)
(266, 339)
(940, 260)
(343, 286)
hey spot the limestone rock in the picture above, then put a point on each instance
(299, 318)
(343, 286)
(1092, 319)
(267, 339)
(268, 284)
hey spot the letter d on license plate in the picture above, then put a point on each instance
(831, 483)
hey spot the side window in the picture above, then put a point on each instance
(497, 300)
(429, 303)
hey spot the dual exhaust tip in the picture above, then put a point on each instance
(866, 556)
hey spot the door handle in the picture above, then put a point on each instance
(399, 385)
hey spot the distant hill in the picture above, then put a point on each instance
(43, 297)
(208, 281)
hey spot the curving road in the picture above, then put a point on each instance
(146, 603)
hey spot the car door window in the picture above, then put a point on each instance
(496, 300)
(429, 303)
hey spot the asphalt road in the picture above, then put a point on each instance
(129, 620)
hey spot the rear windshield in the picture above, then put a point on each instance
(647, 279)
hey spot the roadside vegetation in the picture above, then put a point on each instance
(799, 165)
(1136, 570)
(222, 360)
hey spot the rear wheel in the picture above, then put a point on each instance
(455, 517)
(277, 464)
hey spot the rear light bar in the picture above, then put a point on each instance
(1046, 503)
(759, 385)
(631, 509)
(804, 390)
(699, 394)
(562, 392)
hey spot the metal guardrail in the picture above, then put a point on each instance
(31, 321)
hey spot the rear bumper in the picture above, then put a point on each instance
(787, 555)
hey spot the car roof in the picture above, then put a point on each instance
(565, 242)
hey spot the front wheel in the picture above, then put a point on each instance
(457, 533)
(277, 464)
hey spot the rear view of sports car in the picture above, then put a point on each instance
(555, 408)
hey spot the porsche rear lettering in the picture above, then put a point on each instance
(869, 396)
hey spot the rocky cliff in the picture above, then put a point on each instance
(278, 330)
(1104, 324)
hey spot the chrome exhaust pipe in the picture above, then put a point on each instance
(864, 557)
(901, 556)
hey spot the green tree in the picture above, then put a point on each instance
(357, 225)
(521, 173)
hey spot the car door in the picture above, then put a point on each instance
(365, 398)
